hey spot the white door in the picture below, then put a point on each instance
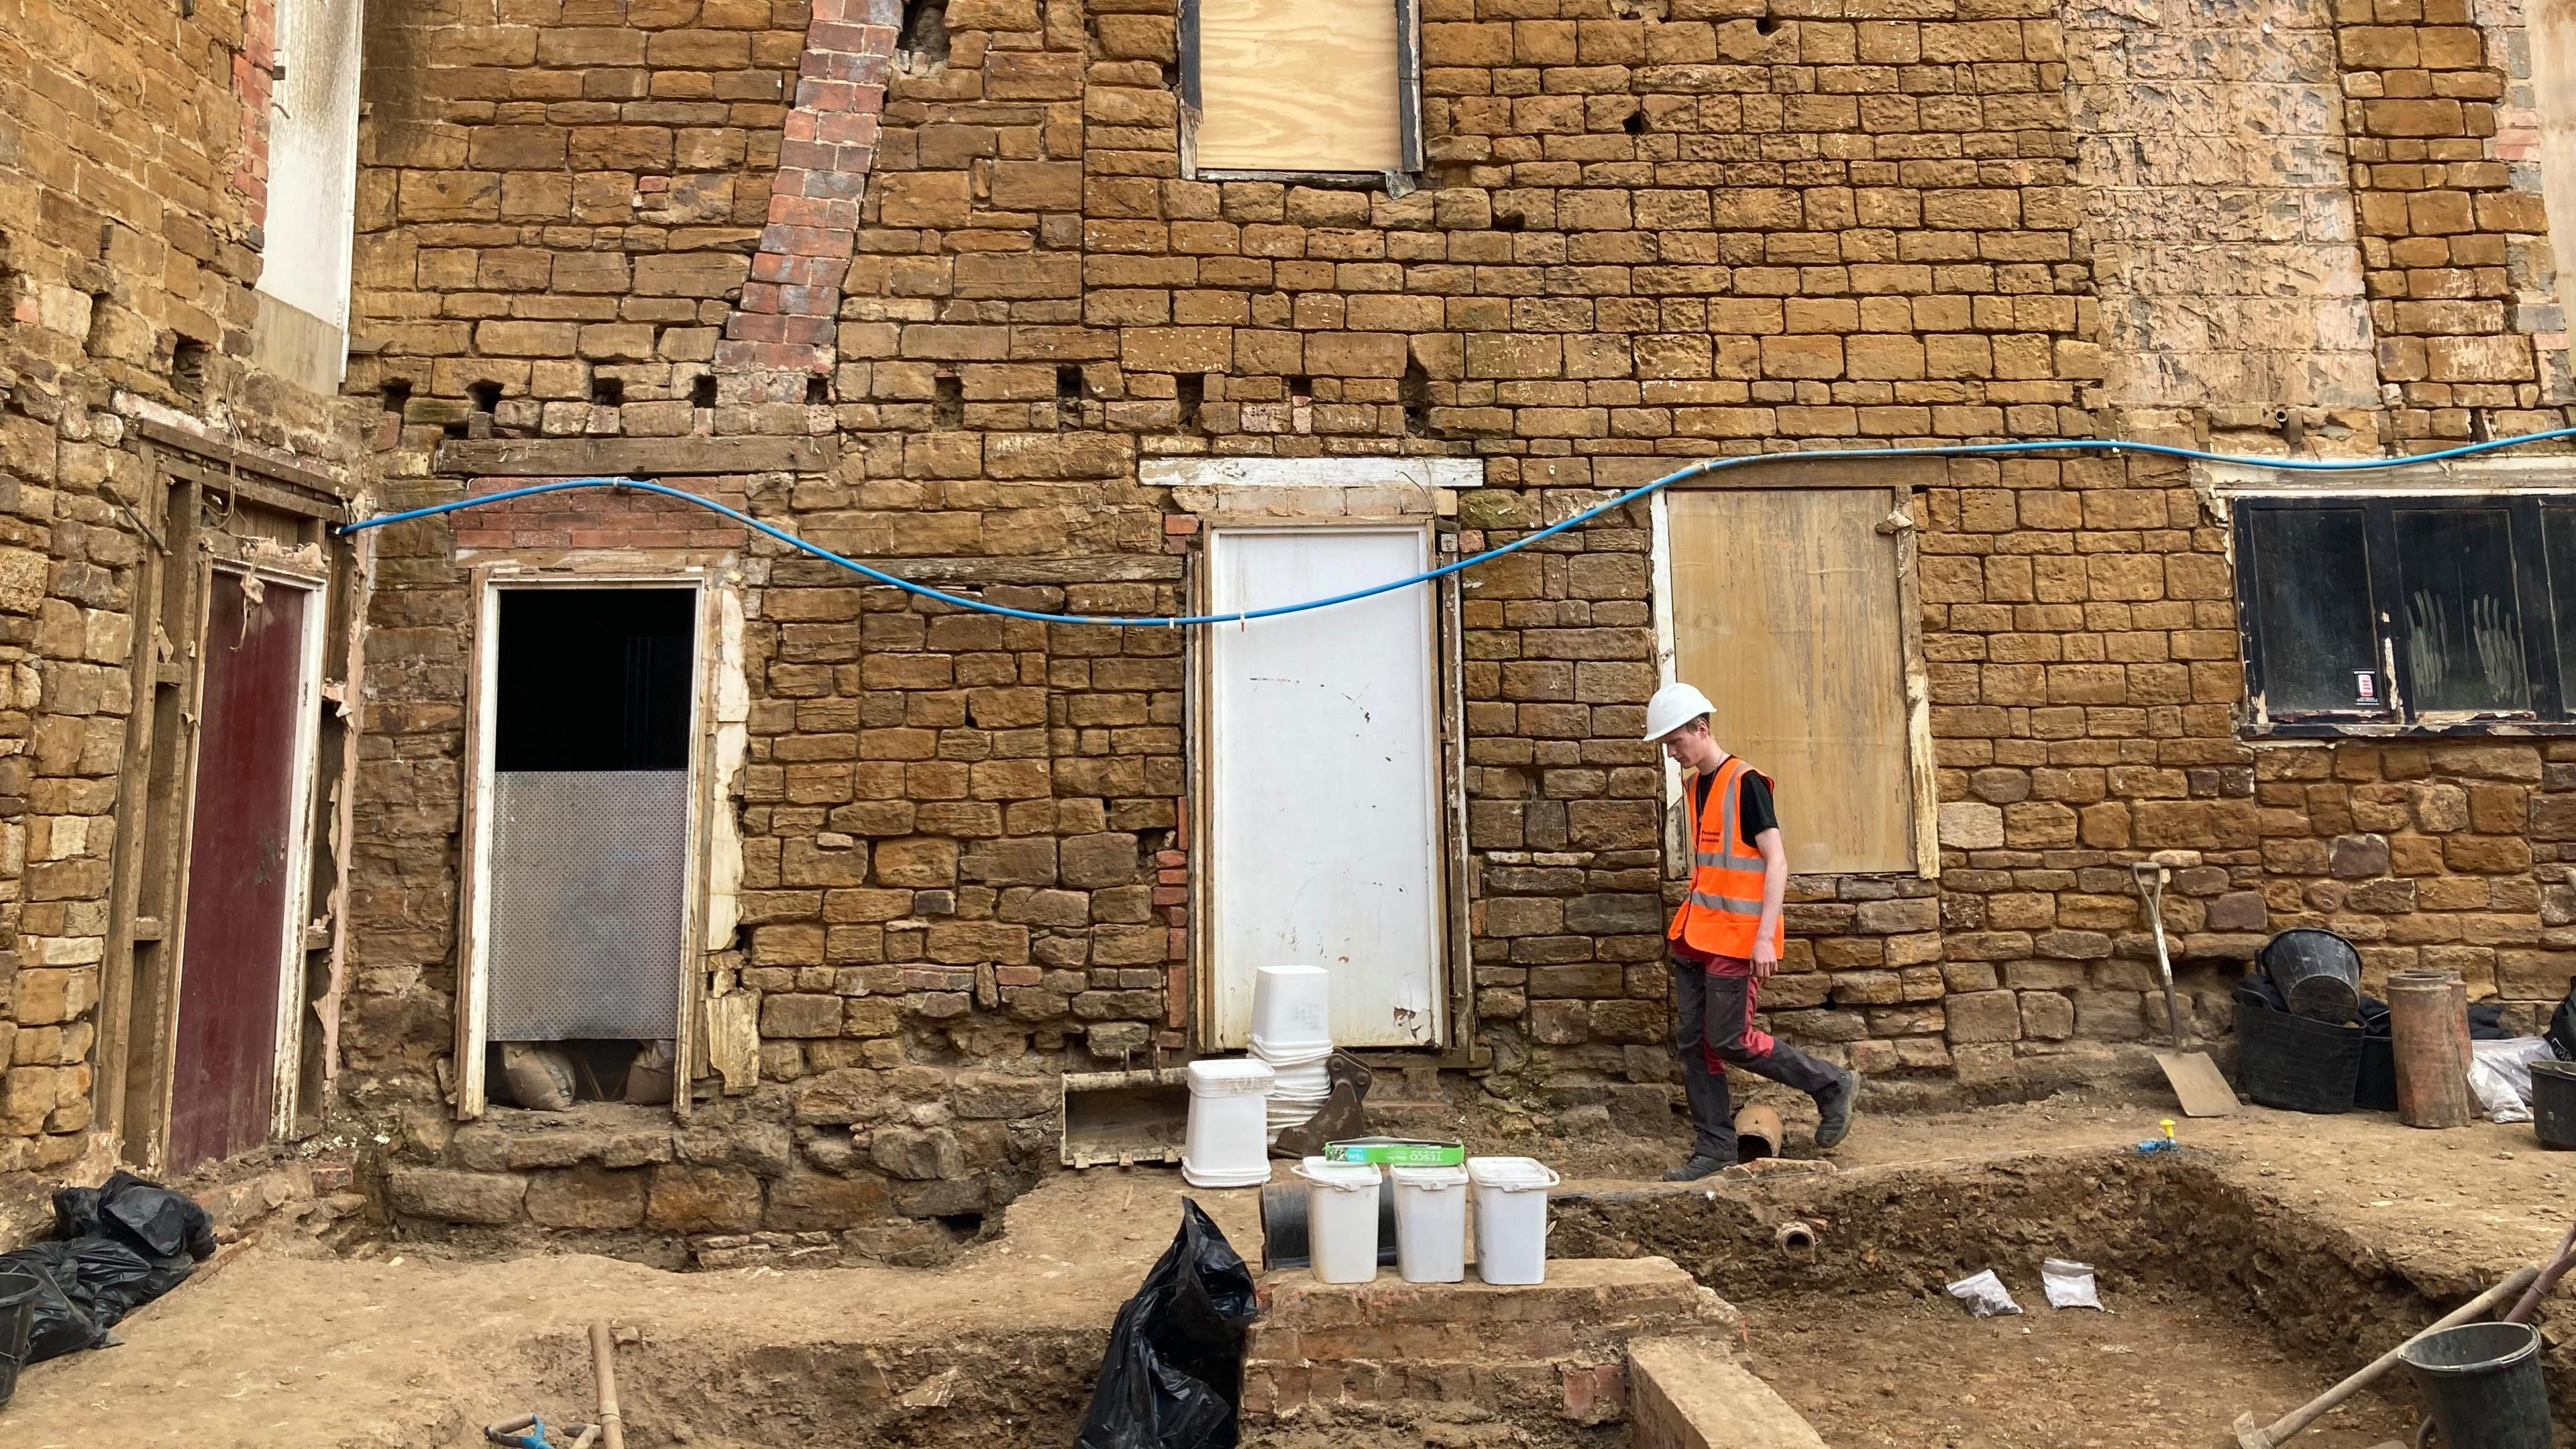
(1324, 801)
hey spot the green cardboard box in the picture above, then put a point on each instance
(1397, 1152)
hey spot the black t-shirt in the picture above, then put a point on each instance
(1754, 812)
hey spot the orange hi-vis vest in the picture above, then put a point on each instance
(1724, 907)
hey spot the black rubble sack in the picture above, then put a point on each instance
(114, 1249)
(57, 1326)
(1173, 1375)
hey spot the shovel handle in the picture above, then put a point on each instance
(2251, 1436)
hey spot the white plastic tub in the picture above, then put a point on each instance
(1228, 1143)
(1292, 1007)
(1511, 1217)
(1341, 1218)
(1430, 1223)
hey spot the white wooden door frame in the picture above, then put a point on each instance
(1450, 1016)
(474, 884)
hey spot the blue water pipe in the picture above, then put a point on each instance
(1699, 469)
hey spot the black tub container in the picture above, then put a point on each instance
(2319, 973)
(2293, 1063)
(2482, 1382)
(2553, 1102)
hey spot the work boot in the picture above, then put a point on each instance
(1834, 1111)
(1700, 1165)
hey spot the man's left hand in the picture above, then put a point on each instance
(1765, 960)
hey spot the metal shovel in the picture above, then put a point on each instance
(2193, 1076)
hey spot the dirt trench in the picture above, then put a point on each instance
(2222, 1298)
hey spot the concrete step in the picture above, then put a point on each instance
(1690, 1393)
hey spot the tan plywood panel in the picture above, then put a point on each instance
(1785, 613)
(1298, 85)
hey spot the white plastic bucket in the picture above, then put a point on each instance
(1293, 1053)
(1228, 1142)
(1292, 1006)
(1430, 1223)
(1511, 1217)
(1341, 1218)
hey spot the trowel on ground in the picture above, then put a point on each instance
(2195, 1079)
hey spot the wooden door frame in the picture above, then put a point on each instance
(1453, 986)
(139, 987)
(487, 582)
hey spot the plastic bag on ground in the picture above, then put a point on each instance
(1985, 1295)
(2068, 1284)
(58, 1326)
(2500, 1074)
(150, 1218)
(1173, 1374)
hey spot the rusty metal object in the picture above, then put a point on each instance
(2428, 1026)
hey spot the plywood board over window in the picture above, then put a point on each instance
(1302, 85)
(1788, 611)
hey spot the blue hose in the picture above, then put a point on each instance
(1695, 470)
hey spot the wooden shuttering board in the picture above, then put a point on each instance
(1786, 613)
(1298, 85)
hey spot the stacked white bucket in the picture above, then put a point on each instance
(1292, 1030)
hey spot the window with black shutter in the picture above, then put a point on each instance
(2411, 613)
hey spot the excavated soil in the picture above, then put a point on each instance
(2159, 1369)
(2247, 1273)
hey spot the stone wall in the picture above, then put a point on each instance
(131, 194)
(1640, 239)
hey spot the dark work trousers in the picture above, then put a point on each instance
(1716, 1009)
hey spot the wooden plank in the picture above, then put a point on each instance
(284, 500)
(1785, 613)
(1298, 85)
(634, 457)
(224, 451)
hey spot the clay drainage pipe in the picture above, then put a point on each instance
(2250, 1435)
(1795, 1237)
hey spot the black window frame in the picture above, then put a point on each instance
(2552, 700)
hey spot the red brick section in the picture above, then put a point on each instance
(254, 72)
(599, 518)
(789, 307)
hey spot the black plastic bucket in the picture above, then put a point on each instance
(1283, 1226)
(2482, 1382)
(2293, 1063)
(2319, 973)
(18, 1290)
(2553, 1102)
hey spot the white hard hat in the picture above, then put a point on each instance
(1674, 705)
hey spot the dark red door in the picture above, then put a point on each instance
(240, 875)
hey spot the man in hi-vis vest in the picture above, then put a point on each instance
(1726, 938)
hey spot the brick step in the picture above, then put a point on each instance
(1690, 1393)
(1557, 1345)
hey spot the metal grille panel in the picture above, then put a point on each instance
(588, 870)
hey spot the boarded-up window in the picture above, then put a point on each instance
(1786, 613)
(1300, 85)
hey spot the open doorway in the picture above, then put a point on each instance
(583, 853)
